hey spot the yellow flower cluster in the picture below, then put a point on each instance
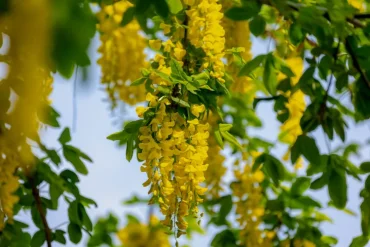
(140, 235)
(30, 79)
(9, 162)
(122, 50)
(216, 170)
(249, 208)
(291, 128)
(205, 31)
(237, 35)
(358, 4)
(297, 243)
(174, 151)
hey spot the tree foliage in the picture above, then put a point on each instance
(197, 101)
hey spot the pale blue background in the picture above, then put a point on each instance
(112, 179)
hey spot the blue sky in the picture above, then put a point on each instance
(112, 179)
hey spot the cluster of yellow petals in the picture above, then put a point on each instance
(297, 243)
(358, 4)
(29, 77)
(249, 207)
(216, 169)
(174, 151)
(122, 50)
(205, 31)
(136, 234)
(237, 35)
(291, 128)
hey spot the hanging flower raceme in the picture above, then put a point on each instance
(30, 81)
(237, 35)
(249, 207)
(291, 128)
(205, 31)
(174, 150)
(122, 50)
(136, 234)
(216, 169)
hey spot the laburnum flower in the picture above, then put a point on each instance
(174, 151)
(216, 169)
(291, 128)
(205, 31)
(136, 234)
(9, 162)
(358, 4)
(122, 50)
(297, 243)
(249, 207)
(237, 35)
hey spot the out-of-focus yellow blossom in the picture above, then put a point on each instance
(165, 27)
(205, 31)
(9, 162)
(140, 235)
(237, 35)
(249, 207)
(297, 243)
(358, 4)
(30, 79)
(291, 128)
(155, 44)
(216, 169)
(122, 50)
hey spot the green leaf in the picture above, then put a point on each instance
(365, 166)
(36, 218)
(269, 75)
(251, 65)
(249, 10)
(65, 136)
(161, 7)
(271, 170)
(86, 221)
(296, 34)
(257, 25)
(74, 215)
(180, 102)
(59, 236)
(38, 239)
(128, 16)
(73, 157)
(49, 116)
(320, 182)
(338, 189)
(258, 162)
(224, 127)
(74, 232)
(360, 241)
(231, 139)
(300, 186)
(119, 136)
(133, 126)
(139, 81)
(130, 147)
(175, 6)
(226, 238)
(307, 146)
(362, 98)
(218, 138)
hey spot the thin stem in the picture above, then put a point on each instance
(74, 117)
(61, 224)
(36, 196)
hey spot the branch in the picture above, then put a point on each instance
(362, 16)
(356, 63)
(36, 196)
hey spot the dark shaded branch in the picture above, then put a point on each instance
(362, 16)
(356, 63)
(36, 196)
